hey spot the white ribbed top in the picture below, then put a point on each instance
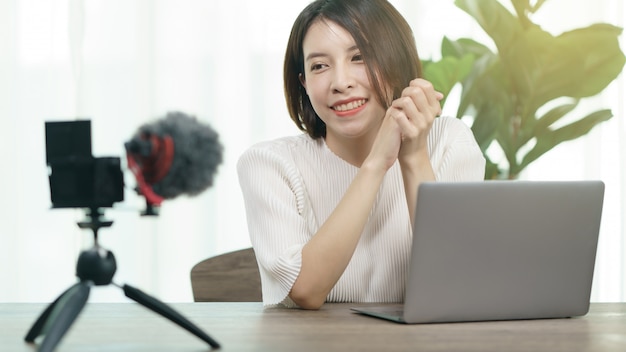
(291, 185)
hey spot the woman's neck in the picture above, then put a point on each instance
(352, 150)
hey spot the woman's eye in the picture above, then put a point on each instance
(316, 67)
(357, 57)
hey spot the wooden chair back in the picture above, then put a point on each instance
(229, 277)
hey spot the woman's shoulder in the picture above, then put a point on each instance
(449, 122)
(282, 146)
(284, 160)
(450, 128)
(282, 150)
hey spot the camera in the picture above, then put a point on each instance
(77, 178)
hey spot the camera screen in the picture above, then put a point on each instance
(68, 138)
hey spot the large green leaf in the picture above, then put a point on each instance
(598, 50)
(482, 81)
(552, 116)
(549, 139)
(485, 125)
(494, 18)
(577, 64)
(514, 43)
(507, 137)
(461, 47)
(447, 72)
(533, 127)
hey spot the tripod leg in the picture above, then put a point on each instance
(37, 328)
(59, 316)
(168, 312)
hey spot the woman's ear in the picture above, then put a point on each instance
(302, 80)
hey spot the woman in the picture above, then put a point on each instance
(329, 211)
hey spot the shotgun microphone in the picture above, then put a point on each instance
(172, 156)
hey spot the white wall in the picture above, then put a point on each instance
(122, 63)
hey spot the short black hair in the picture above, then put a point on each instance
(384, 38)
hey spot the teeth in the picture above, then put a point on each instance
(351, 105)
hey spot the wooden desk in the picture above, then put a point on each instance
(247, 327)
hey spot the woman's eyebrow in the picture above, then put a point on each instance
(314, 55)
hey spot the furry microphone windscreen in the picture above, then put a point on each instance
(197, 152)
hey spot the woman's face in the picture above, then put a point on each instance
(336, 81)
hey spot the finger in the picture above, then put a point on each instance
(425, 101)
(427, 87)
(407, 125)
(408, 106)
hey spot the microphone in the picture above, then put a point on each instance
(172, 156)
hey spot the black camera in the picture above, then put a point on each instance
(77, 178)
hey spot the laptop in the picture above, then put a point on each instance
(500, 250)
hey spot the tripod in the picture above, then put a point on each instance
(96, 266)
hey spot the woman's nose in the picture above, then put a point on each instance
(342, 79)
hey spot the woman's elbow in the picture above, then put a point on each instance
(305, 299)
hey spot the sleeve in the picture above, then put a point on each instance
(275, 201)
(455, 154)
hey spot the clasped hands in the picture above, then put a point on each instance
(404, 130)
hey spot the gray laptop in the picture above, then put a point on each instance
(500, 250)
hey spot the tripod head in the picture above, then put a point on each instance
(94, 221)
(96, 264)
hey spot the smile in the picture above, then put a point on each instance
(349, 106)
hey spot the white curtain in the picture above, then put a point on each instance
(122, 63)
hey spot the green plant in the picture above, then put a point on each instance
(520, 94)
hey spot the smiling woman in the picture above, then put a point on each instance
(122, 63)
(329, 211)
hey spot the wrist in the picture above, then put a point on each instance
(415, 161)
(376, 166)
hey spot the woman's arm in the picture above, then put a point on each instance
(415, 112)
(326, 256)
(298, 259)
(414, 172)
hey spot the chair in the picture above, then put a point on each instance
(229, 277)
